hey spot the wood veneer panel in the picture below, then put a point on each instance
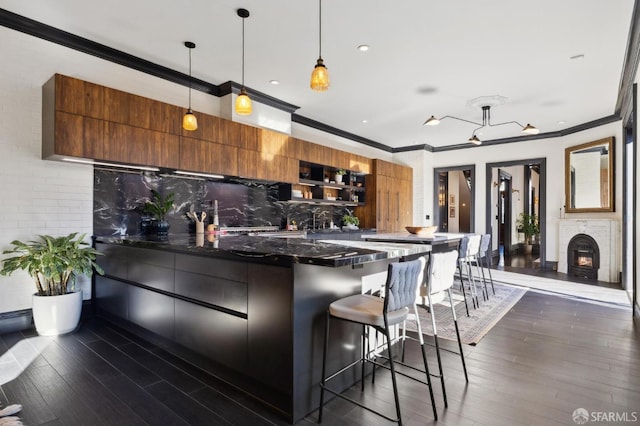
(93, 138)
(68, 134)
(208, 157)
(69, 95)
(271, 142)
(134, 145)
(165, 117)
(79, 97)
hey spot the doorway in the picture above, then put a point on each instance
(514, 187)
(454, 200)
(504, 218)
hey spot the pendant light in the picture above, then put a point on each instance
(320, 75)
(243, 101)
(189, 121)
(486, 122)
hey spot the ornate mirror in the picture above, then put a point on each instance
(589, 177)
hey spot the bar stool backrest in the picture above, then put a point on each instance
(462, 248)
(403, 279)
(484, 244)
(474, 245)
(442, 268)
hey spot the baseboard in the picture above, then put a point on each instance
(12, 322)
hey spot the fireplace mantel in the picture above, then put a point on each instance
(605, 232)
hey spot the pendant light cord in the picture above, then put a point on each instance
(189, 78)
(320, 27)
(243, 52)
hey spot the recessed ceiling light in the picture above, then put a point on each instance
(580, 56)
(561, 122)
(365, 121)
(274, 82)
(363, 47)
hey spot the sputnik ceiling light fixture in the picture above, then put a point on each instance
(243, 102)
(486, 122)
(189, 121)
(320, 75)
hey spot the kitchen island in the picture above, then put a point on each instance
(439, 241)
(247, 309)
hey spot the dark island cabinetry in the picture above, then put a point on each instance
(239, 320)
(202, 304)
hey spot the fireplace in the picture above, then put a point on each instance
(583, 257)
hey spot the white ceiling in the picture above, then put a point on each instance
(426, 57)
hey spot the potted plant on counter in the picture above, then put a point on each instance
(350, 222)
(158, 207)
(54, 263)
(528, 224)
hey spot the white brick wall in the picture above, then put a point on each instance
(48, 197)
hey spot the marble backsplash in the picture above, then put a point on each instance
(120, 195)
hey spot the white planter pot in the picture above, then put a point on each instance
(54, 315)
(338, 178)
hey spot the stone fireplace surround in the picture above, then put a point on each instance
(605, 232)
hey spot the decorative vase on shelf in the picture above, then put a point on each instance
(162, 227)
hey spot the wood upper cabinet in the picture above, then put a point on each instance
(208, 157)
(78, 97)
(128, 144)
(82, 119)
(126, 108)
(259, 165)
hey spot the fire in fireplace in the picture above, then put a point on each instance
(583, 257)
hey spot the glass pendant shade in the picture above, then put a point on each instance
(189, 121)
(243, 103)
(320, 77)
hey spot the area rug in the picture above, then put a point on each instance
(480, 320)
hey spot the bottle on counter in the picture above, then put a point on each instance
(216, 221)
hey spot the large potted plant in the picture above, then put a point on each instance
(54, 263)
(528, 224)
(158, 207)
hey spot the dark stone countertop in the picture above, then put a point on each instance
(270, 250)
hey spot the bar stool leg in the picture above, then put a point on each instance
(464, 294)
(393, 370)
(472, 285)
(487, 262)
(424, 360)
(455, 322)
(435, 338)
(485, 292)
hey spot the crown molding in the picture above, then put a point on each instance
(43, 31)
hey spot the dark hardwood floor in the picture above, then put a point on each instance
(547, 357)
